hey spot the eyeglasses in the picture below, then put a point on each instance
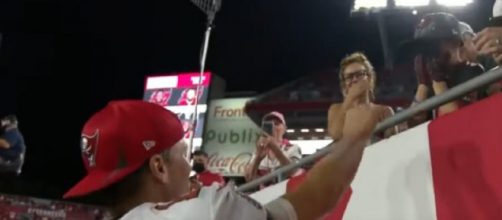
(355, 75)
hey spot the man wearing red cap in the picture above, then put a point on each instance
(278, 153)
(136, 159)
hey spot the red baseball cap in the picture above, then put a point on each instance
(275, 114)
(117, 140)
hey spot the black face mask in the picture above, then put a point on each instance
(198, 167)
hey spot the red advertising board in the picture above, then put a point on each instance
(28, 208)
(178, 94)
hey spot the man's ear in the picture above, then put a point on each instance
(158, 168)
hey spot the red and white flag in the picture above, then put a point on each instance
(448, 169)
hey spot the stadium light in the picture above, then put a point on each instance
(367, 4)
(319, 130)
(454, 3)
(412, 3)
(371, 4)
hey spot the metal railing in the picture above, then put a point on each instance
(454, 93)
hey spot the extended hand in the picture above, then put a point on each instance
(360, 122)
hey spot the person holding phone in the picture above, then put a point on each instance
(273, 154)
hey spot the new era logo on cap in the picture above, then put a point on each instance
(148, 145)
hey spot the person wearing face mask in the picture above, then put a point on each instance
(204, 175)
(12, 147)
(357, 82)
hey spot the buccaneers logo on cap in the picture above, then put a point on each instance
(89, 144)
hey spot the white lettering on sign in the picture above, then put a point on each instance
(230, 164)
(195, 79)
(159, 82)
(47, 213)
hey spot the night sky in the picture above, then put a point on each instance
(62, 60)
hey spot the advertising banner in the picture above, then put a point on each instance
(230, 136)
(28, 208)
(177, 93)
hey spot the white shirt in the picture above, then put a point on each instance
(291, 151)
(215, 203)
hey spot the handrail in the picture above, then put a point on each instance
(454, 93)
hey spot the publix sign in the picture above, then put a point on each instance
(230, 136)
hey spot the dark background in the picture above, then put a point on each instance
(61, 60)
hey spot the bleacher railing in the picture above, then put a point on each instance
(452, 94)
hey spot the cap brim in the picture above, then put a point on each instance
(98, 180)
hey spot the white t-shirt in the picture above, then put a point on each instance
(271, 163)
(215, 203)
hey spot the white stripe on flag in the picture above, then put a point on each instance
(394, 180)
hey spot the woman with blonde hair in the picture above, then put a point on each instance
(357, 83)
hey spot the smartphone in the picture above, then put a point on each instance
(267, 127)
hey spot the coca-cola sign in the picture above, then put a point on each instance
(230, 165)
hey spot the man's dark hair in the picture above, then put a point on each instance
(200, 153)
